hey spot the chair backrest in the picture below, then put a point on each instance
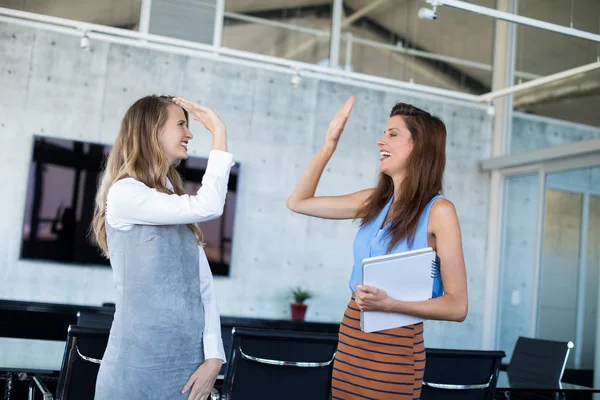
(99, 319)
(229, 322)
(83, 352)
(274, 364)
(538, 361)
(461, 374)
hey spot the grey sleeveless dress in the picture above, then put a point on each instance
(155, 341)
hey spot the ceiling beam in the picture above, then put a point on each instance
(345, 22)
(539, 82)
(585, 89)
(472, 84)
(517, 19)
(363, 11)
(577, 149)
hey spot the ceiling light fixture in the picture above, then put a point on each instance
(428, 13)
(85, 42)
(295, 81)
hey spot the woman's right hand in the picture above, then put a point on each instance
(204, 115)
(337, 124)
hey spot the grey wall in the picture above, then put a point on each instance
(51, 87)
(517, 260)
(532, 132)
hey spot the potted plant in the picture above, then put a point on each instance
(298, 306)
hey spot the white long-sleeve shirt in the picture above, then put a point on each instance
(130, 202)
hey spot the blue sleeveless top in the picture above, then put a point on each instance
(371, 241)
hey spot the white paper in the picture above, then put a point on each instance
(404, 276)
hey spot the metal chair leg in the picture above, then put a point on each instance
(46, 394)
(31, 393)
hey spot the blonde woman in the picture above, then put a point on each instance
(165, 341)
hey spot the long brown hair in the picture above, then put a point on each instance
(137, 154)
(423, 176)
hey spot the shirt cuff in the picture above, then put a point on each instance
(213, 347)
(222, 160)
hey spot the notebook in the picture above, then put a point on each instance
(406, 276)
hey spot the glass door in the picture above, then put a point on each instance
(568, 293)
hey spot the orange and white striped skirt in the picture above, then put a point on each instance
(379, 365)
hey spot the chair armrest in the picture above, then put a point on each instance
(302, 364)
(456, 387)
(450, 386)
(86, 358)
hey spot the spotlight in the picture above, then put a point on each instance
(428, 13)
(85, 43)
(295, 81)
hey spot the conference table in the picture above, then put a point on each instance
(565, 390)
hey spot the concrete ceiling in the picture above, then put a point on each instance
(118, 13)
(469, 36)
(455, 33)
(243, 6)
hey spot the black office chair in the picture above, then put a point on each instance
(540, 363)
(538, 360)
(81, 361)
(461, 374)
(273, 364)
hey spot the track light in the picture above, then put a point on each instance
(85, 42)
(295, 81)
(428, 13)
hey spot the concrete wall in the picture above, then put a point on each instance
(532, 132)
(51, 87)
(517, 258)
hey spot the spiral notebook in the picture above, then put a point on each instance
(406, 276)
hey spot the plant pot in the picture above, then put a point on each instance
(298, 311)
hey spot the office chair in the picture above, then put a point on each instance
(538, 363)
(538, 360)
(461, 374)
(81, 361)
(274, 364)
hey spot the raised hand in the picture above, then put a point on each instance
(204, 115)
(338, 122)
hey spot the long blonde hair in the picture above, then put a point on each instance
(137, 154)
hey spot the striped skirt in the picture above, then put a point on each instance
(379, 365)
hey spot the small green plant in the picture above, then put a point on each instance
(300, 295)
